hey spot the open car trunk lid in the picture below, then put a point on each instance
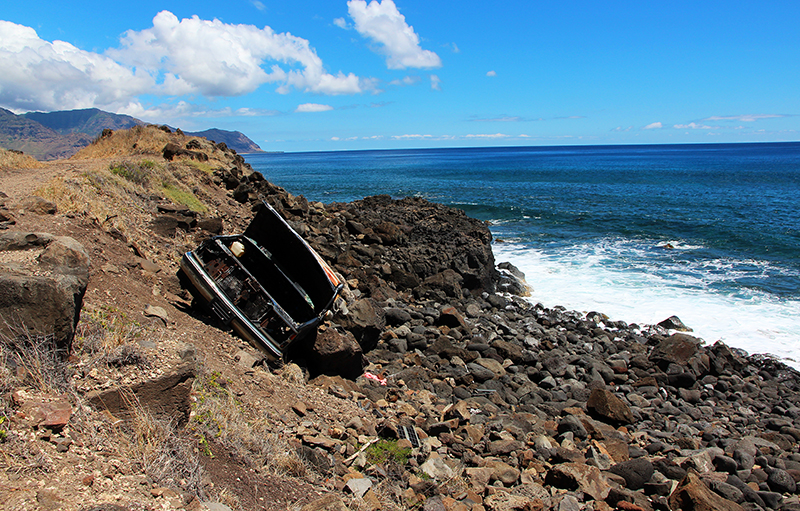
(268, 283)
(301, 263)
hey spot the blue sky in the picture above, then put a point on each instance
(342, 75)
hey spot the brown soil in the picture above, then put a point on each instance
(95, 469)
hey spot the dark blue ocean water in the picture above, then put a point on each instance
(708, 232)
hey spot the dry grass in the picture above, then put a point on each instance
(19, 456)
(33, 361)
(150, 141)
(14, 160)
(220, 415)
(103, 330)
(156, 448)
(139, 140)
(114, 194)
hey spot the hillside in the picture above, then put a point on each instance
(433, 386)
(35, 139)
(90, 121)
(54, 135)
(236, 140)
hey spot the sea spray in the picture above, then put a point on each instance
(758, 322)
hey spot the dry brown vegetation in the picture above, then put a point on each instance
(236, 448)
(16, 160)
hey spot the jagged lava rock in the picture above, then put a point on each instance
(605, 404)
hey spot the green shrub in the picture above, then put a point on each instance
(179, 196)
(134, 172)
(387, 450)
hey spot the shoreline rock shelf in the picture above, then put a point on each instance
(530, 407)
(576, 409)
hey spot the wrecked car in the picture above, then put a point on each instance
(268, 284)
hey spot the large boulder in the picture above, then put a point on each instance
(691, 493)
(42, 282)
(366, 320)
(605, 405)
(676, 349)
(333, 353)
(425, 240)
(577, 476)
(167, 396)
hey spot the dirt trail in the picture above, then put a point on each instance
(20, 183)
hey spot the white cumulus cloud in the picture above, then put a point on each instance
(408, 80)
(491, 73)
(42, 75)
(175, 57)
(653, 126)
(221, 59)
(487, 135)
(743, 118)
(313, 107)
(382, 23)
(436, 82)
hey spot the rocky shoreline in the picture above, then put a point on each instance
(435, 386)
(535, 408)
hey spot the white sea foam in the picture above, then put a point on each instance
(582, 279)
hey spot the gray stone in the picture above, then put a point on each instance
(165, 396)
(479, 372)
(571, 424)
(725, 490)
(42, 282)
(437, 469)
(572, 476)
(608, 406)
(772, 500)
(359, 486)
(780, 481)
(569, 503)
(725, 464)
(154, 311)
(334, 353)
(636, 472)
(744, 460)
(38, 205)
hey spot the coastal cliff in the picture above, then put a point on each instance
(466, 396)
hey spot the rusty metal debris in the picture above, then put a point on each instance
(268, 284)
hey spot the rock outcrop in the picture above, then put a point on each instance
(42, 282)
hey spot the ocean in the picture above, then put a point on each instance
(709, 233)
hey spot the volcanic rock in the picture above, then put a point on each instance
(691, 493)
(42, 282)
(607, 406)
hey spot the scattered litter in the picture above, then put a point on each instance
(375, 377)
(410, 434)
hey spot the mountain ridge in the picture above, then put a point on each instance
(60, 134)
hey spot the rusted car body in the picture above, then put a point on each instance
(268, 284)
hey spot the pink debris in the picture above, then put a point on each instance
(375, 377)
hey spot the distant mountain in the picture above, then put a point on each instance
(33, 138)
(236, 140)
(91, 121)
(54, 135)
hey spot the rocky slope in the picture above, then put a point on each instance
(236, 140)
(431, 388)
